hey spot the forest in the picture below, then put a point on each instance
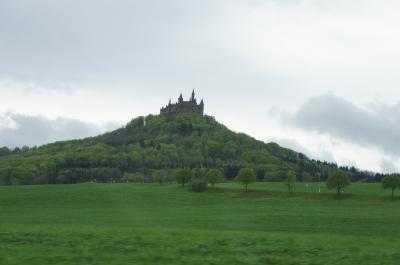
(151, 147)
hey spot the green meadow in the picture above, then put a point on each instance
(153, 224)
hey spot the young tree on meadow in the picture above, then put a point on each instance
(213, 176)
(183, 176)
(338, 181)
(391, 182)
(245, 177)
(291, 180)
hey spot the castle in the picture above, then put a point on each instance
(184, 106)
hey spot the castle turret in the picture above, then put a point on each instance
(193, 98)
(201, 106)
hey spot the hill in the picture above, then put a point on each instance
(155, 145)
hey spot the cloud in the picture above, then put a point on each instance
(283, 44)
(18, 130)
(64, 59)
(339, 118)
(320, 150)
(289, 143)
(389, 166)
(34, 88)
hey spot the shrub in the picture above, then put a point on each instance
(198, 185)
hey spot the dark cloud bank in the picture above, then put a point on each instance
(377, 125)
(38, 130)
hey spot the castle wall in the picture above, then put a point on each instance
(184, 106)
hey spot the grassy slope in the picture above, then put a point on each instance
(149, 224)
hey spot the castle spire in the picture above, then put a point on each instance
(193, 98)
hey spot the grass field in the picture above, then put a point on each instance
(152, 224)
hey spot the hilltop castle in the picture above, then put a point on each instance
(184, 106)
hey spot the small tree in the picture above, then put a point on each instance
(183, 176)
(213, 176)
(391, 182)
(291, 180)
(338, 181)
(246, 176)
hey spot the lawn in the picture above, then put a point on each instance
(152, 224)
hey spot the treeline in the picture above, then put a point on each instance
(5, 151)
(153, 144)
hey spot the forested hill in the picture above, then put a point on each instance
(156, 145)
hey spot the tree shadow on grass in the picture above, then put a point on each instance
(237, 193)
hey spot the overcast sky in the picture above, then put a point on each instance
(319, 76)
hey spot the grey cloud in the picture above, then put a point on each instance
(77, 40)
(35, 88)
(37, 130)
(323, 155)
(290, 143)
(391, 112)
(150, 46)
(389, 166)
(337, 117)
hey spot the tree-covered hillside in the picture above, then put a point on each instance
(155, 145)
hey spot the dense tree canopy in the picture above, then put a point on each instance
(151, 144)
